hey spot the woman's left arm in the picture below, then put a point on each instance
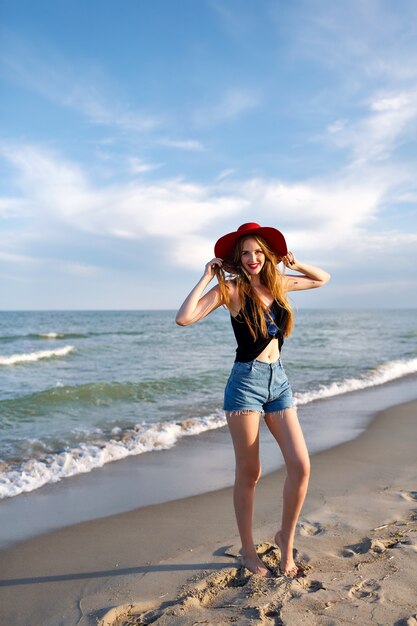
(311, 276)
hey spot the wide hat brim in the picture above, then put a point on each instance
(224, 246)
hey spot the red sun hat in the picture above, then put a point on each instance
(224, 246)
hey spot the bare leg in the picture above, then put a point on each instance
(244, 429)
(286, 429)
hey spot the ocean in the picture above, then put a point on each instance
(79, 390)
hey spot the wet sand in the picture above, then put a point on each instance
(175, 563)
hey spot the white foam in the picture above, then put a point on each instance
(50, 335)
(33, 474)
(382, 374)
(31, 357)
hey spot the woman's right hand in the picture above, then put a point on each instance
(209, 270)
(196, 306)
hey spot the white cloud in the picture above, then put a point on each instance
(9, 207)
(374, 136)
(137, 166)
(233, 103)
(82, 270)
(317, 217)
(187, 144)
(390, 103)
(191, 251)
(236, 23)
(358, 40)
(314, 215)
(336, 127)
(389, 241)
(73, 87)
(58, 191)
(225, 173)
(323, 206)
(106, 113)
(407, 197)
(12, 258)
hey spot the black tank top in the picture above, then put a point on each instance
(249, 348)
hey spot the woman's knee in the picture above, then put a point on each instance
(299, 468)
(248, 473)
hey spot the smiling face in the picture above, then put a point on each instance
(252, 256)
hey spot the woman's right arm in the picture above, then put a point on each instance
(195, 307)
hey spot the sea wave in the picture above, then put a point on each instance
(383, 373)
(96, 394)
(61, 336)
(35, 473)
(54, 335)
(31, 474)
(31, 357)
(42, 336)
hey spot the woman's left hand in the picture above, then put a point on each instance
(289, 260)
(310, 278)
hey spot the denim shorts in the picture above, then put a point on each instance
(258, 386)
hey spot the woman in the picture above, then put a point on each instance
(261, 317)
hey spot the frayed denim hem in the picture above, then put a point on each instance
(279, 413)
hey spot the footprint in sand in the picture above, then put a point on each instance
(366, 590)
(265, 548)
(222, 597)
(232, 551)
(308, 529)
(357, 548)
(378, 546)
(315, 585)
(411, 496)
(195, 596)
(382, 545)
(411, 621)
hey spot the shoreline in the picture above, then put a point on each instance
(195, 465)
(141, 558)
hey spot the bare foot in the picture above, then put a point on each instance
(287, 566)
(255, 565)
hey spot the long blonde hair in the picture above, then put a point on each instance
(270, 276)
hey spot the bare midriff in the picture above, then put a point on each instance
(271, 353)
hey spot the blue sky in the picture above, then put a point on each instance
(134, 134)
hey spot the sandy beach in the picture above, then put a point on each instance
(177, 562)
